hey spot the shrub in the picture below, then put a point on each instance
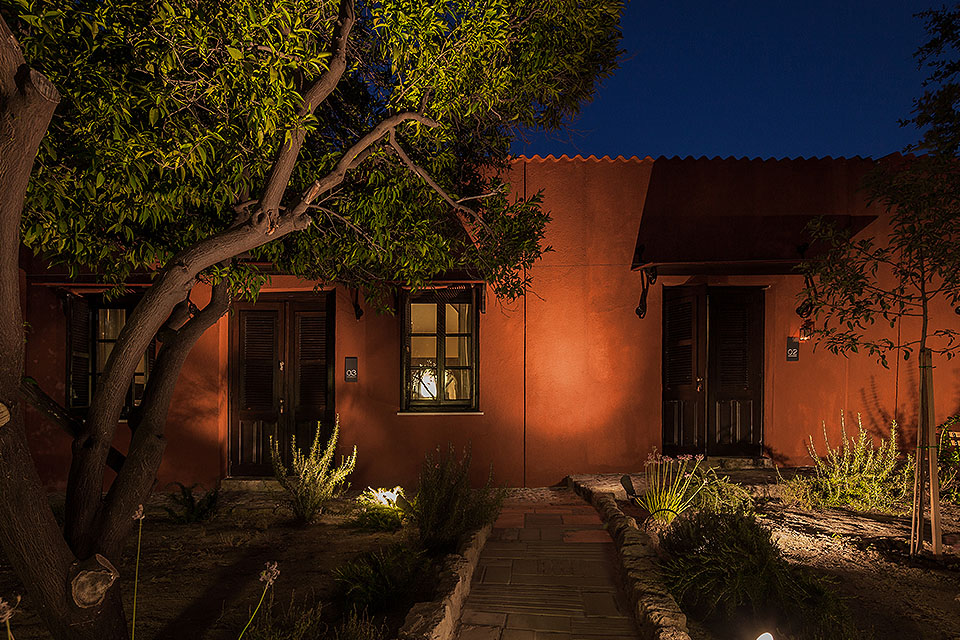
(674, 489)
(188, 508)
(719, 493)
(725, 569)
(379, 510)
(446, 508)
(856, 475)
(313, 480)
(373, 581)
(948, 455)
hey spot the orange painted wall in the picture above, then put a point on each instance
(569, 376)
(593, 369)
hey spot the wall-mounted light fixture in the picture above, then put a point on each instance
(648, 276)
(806, 330)
(357, 311)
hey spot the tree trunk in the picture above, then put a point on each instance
(28, 531)
(136, 478)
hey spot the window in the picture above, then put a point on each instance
(440, 331)
(94, 326)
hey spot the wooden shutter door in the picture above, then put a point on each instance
(683, 372)
(735, 389)
(78, 350)
(256, 390)
(312, 373)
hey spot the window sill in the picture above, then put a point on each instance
(439, 413)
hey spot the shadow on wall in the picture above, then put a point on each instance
(877, 419)
(779, 459)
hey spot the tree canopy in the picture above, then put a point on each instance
(356, 142)
(174, 113)
(900, 273)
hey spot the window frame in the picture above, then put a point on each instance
(440, 297)
(93, 304)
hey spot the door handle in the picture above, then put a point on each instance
(699, 385)
(281, 406)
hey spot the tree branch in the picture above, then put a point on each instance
(60, 417)
(458, 209)
(350, 159)
(315, 95)
(138, 474)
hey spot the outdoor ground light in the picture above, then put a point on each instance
(765, 636)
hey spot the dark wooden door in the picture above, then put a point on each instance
(735, 372)
(713, 370)
(684, 369)
(281, 365)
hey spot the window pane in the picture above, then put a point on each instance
(458, 318)
(109, 323)
(458, 352)
(423, 350)
(423, 317)
(103, 352)
(457, 385)
(423, 383)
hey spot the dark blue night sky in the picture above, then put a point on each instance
(755, 79)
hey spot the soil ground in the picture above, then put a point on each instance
(201, 581)
(891, 596)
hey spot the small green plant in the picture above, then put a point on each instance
(725, 569)
(267, 577)
(313, 480)
(446, 508)
(379, 510)
(948, 455)
(189, 508)
(856, 474)
(719, 493)
(373, 581)
(358, 626)
(672, 486)
(297, 622)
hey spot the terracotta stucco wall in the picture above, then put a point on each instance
(570, 378)
(593, 368)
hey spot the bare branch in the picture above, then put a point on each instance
(360, 232)
(458, 209)
(350, 158)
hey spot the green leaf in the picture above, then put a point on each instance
(236, 54)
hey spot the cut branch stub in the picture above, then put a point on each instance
(92, 578)
(4, 414)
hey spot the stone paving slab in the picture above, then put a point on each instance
(547, 572)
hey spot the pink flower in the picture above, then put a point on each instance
(138, 515)
(269, 574)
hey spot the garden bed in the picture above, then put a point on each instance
(890, 595)
(201, 580)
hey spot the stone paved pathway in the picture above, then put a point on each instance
(547, 573)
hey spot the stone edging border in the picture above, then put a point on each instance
(658, 615)
(437, 620)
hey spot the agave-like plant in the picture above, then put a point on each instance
(672, 486)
